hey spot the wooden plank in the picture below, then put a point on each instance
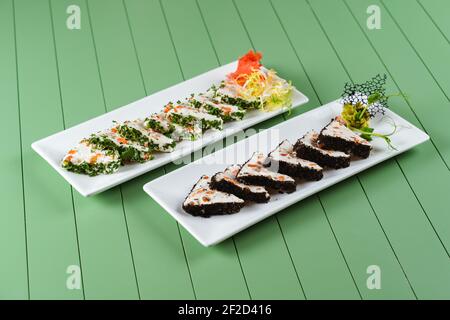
(430, 46)
(304, 32)
(404, 58)
(426, 175)
(13, 269)
(159, 255)
(423, 167)
(51, 232)
(196, 56)
(102, 230)
(325, 245)
(158, 63)
(439, 17)
(378, 186)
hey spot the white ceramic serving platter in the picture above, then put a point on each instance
(170, 190)
(53, 148)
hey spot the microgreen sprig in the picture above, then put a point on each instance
(367, 133)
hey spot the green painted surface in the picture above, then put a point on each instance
(434, 52)
(100, 220)
(430, 190)
(394, 215)
(13, 269)
(50, 224)
(438, 15)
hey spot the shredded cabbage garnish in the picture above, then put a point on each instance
(273, 92)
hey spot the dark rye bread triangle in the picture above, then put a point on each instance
(284, 159)
(205, 202)
(336, 136)
(253, 172)
(226, 182)
(307, 148)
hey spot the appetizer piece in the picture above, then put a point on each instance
(135, 131)
(205, 202)
(187, 116)
(160, 142)
(130, 151)
(158, 122)
(226, 112)
(337, 136)
(229, 94)
(226, 181)
(288, 163)
(309, 149)
(88, 158)
(253, 172)
(190, 133)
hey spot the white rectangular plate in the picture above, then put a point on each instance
(170, 190)
(53, 148)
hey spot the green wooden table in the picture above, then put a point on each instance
(395, 216)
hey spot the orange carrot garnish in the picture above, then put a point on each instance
(122, 140)
(246, 65)
(94, 158)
